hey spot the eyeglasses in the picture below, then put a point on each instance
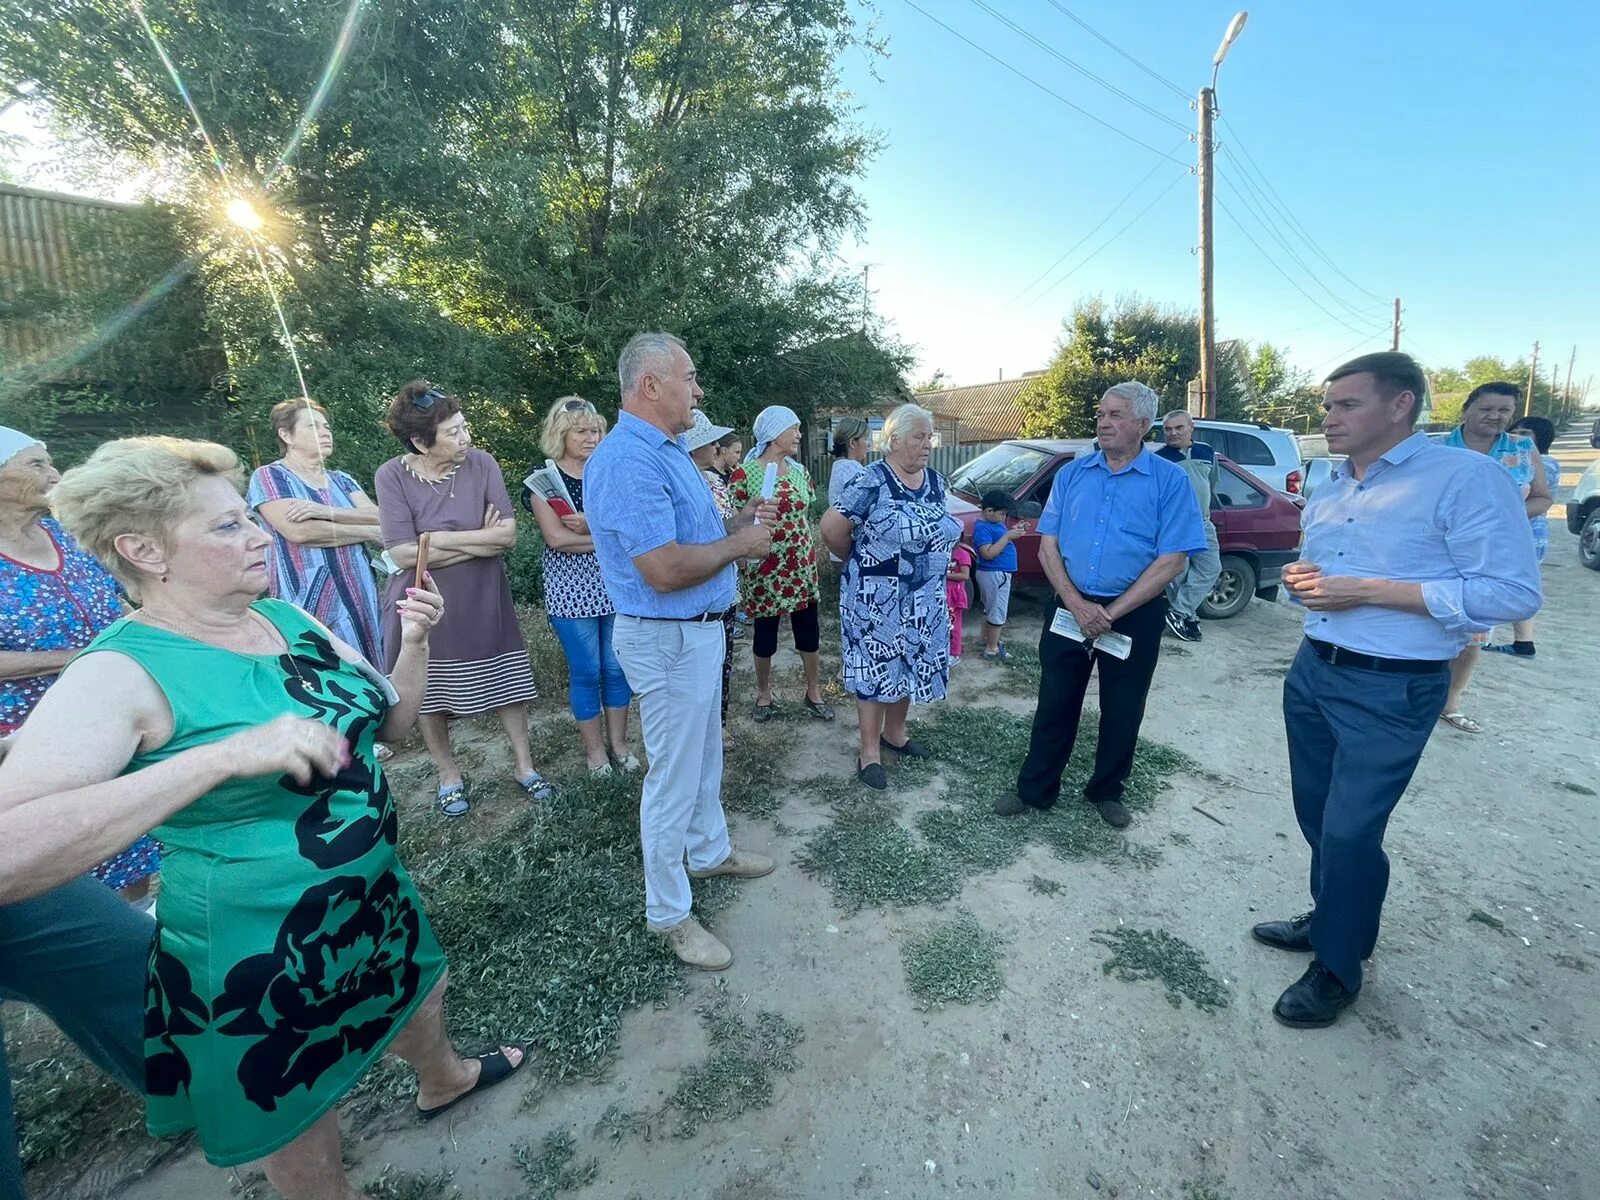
(577, 406)
(427, 400)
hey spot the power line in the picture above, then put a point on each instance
(1159, 78)
(1288, 215)
(1274, 263)
(1344, 354)
(1128, 195)
(1046, 90)
(1114, 236)
(1078, 67)
(1271, 226)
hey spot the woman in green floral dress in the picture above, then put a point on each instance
(291, 948)
(785, 582)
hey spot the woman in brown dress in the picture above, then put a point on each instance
(457, 495)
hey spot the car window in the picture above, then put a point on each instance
(1234, 491)
(1040, 493)
(1220, 440)
(1007, 467)
(1249, 450)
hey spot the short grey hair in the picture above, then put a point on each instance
(1144, 400)
(643, 351)
(1177, 412)
(901, 419)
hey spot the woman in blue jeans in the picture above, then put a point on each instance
(575, 597)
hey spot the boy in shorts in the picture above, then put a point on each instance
(997, 562)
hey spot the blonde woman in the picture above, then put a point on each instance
(292, 950)
(575, 597)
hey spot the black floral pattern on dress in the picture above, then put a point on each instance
(313, 677)
(341, 971)
(172, 1009)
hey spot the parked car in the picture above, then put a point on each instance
(1317, 471)
(1583, 516)
(1258, 529)
(1594, 434)
(1267, 452)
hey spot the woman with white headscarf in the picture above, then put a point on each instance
(784, 583)
(54, 599)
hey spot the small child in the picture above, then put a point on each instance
(956, 595)
(997, 561)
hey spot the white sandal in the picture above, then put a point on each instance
(1459, 720)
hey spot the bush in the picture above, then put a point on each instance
(525, 563)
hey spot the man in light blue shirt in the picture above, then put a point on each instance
(1119, 526)
(667, 561)
(1410, 548)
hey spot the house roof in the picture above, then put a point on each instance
(985, 412)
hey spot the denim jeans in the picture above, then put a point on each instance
(594, 677)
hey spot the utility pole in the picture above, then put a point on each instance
(1533, 377)
(1566, 392)
(866, 269)
(1394, 343)
(1208, 320)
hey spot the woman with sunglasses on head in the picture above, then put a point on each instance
(575, 597)
(456, 494)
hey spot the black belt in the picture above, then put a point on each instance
(700, 619)
(1340, 657)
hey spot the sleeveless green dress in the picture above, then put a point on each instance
(291, 946)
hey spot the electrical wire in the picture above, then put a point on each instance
(1046, 90)
(1128, 195)
(1274, 263)
(1293, 221)
(1079, 67)
(1344, 354)
(1358, 311)
(1094, 253)
(1159, 78)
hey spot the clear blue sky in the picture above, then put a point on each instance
(1448, 154)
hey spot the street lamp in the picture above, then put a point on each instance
(1208, 324)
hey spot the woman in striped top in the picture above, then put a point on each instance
(477, 660)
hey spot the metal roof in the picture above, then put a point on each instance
(984, 412)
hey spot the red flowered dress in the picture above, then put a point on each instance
(786, 580)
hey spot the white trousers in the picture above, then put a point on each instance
(675, 668)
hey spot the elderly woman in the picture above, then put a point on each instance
(54, 600)
(443, 487)
(575, 598)
(291, 948)
(320, 521)
(895, 534)
(1485, 414)
(784, 583)
(710, 447)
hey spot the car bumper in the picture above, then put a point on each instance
(1270, 565)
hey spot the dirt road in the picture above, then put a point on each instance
(1467, 1069)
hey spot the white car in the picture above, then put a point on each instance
(1271, 454)
(1583, 516)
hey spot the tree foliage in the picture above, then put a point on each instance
(494, 195)
(1101, 345)
(1450, 386)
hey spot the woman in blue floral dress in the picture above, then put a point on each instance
(891, 527)
(54, 600)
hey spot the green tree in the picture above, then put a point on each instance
(1101, 345)
(1282, 394)
(493, 196)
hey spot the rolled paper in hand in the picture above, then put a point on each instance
(769, 484)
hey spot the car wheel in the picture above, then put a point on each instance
(1232, 591)
(1589, 542)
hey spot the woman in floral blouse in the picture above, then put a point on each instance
(785, 582)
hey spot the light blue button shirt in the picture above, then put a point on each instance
(1451, 520)
(1111, 525)
(641, 490)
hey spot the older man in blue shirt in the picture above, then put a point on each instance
(1410, 548)
(667, 560)
(1119, 526)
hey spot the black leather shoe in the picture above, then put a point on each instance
(873, 776)
(1293, 934)
(1010, 805)
(1113, 813)
(1314, 1000)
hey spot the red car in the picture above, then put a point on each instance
(1258, 527)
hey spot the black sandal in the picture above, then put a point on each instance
(496, 1068)
(763, 713)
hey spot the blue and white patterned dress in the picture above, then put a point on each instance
(893, 615)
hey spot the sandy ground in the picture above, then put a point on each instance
(1467, 1069)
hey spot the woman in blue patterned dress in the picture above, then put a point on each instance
(54, 600)
(891, 527)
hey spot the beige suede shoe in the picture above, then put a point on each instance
(695, 945)
(741, 864)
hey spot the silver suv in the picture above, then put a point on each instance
(1271, 454)
(1583, 516)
